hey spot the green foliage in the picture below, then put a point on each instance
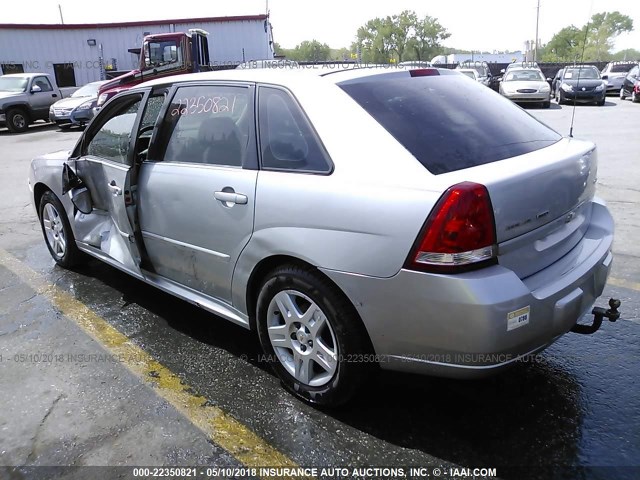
(627, 54)
(400, 37)
(310, 51)
(567, 45)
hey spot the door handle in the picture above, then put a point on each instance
(231, 197)
(115, 189)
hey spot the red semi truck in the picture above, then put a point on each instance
(162, 55)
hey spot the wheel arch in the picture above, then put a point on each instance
(267, 265)
(39, 189)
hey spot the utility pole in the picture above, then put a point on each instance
(60, 10)
(535, 49)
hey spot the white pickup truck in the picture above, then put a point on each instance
(25, 98)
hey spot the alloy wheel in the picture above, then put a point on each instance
(54, 230)
(302, 338)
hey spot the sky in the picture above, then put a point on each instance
(474, 25)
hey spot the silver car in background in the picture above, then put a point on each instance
(76, 110)
(526, 85)
(614, 74)
(456, 236)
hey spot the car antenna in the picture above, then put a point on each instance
(584, 46)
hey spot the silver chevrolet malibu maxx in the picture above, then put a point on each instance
(406, 219)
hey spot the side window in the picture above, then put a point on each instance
(43, 83)
(209, 124)
(287, 140)
(112, 140)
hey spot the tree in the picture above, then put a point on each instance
(310, 51)
(630, 54)
(603, 29)
(428, 35)
(400, 37)
(565, 46)
(594, 41)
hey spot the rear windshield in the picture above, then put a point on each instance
(621, 68)
(449, 123)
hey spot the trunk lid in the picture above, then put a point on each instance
(541, 202)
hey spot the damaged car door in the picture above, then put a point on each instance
(103, 163)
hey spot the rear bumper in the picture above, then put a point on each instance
(458, 325)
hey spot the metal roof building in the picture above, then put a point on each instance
(80, 53)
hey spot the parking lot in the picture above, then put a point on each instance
(98, 368)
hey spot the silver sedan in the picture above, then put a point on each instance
(406, 219)
(526, 86)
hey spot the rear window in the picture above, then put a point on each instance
(449, 123)
(621, 68)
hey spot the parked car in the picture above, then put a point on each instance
(631, 85)
(469, 72)
(25, 98)
(615, 73)
(580, 84)
(239, 192)
(78, 108)
(529, 65)
(526, 86)
(482, 70)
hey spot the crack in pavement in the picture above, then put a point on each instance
(32, 453)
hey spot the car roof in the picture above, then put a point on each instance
(285, 76)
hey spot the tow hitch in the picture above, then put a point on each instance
(598, 314)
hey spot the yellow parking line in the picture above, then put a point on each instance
(224, 430)
(619, 282)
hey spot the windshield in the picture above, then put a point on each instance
(161, 53)
(89, 90)
(524, 76)
(13, 84)
(469, 73)
(588, 73)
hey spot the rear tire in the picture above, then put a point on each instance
(602, 102)
(57, 231)
(634, 97)
(559, 97)
(318, 347)
(622, 95)
(17, 120)
(546, 104)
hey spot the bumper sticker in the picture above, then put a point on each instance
(518, 318)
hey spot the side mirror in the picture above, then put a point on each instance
(35, 89)
(502, 71)
(549, 79)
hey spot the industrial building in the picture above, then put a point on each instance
(80, 53)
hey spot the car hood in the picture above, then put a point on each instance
(519, 85)
(72, 102)
(583, 82)
(10, 94)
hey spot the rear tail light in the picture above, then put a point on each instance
(459, 234)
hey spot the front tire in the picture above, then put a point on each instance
(17, 120)
(57, 231)
(546, 104)
(312, 336)
(559, 97)
(634, 97)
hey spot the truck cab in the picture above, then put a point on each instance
(162, 55)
